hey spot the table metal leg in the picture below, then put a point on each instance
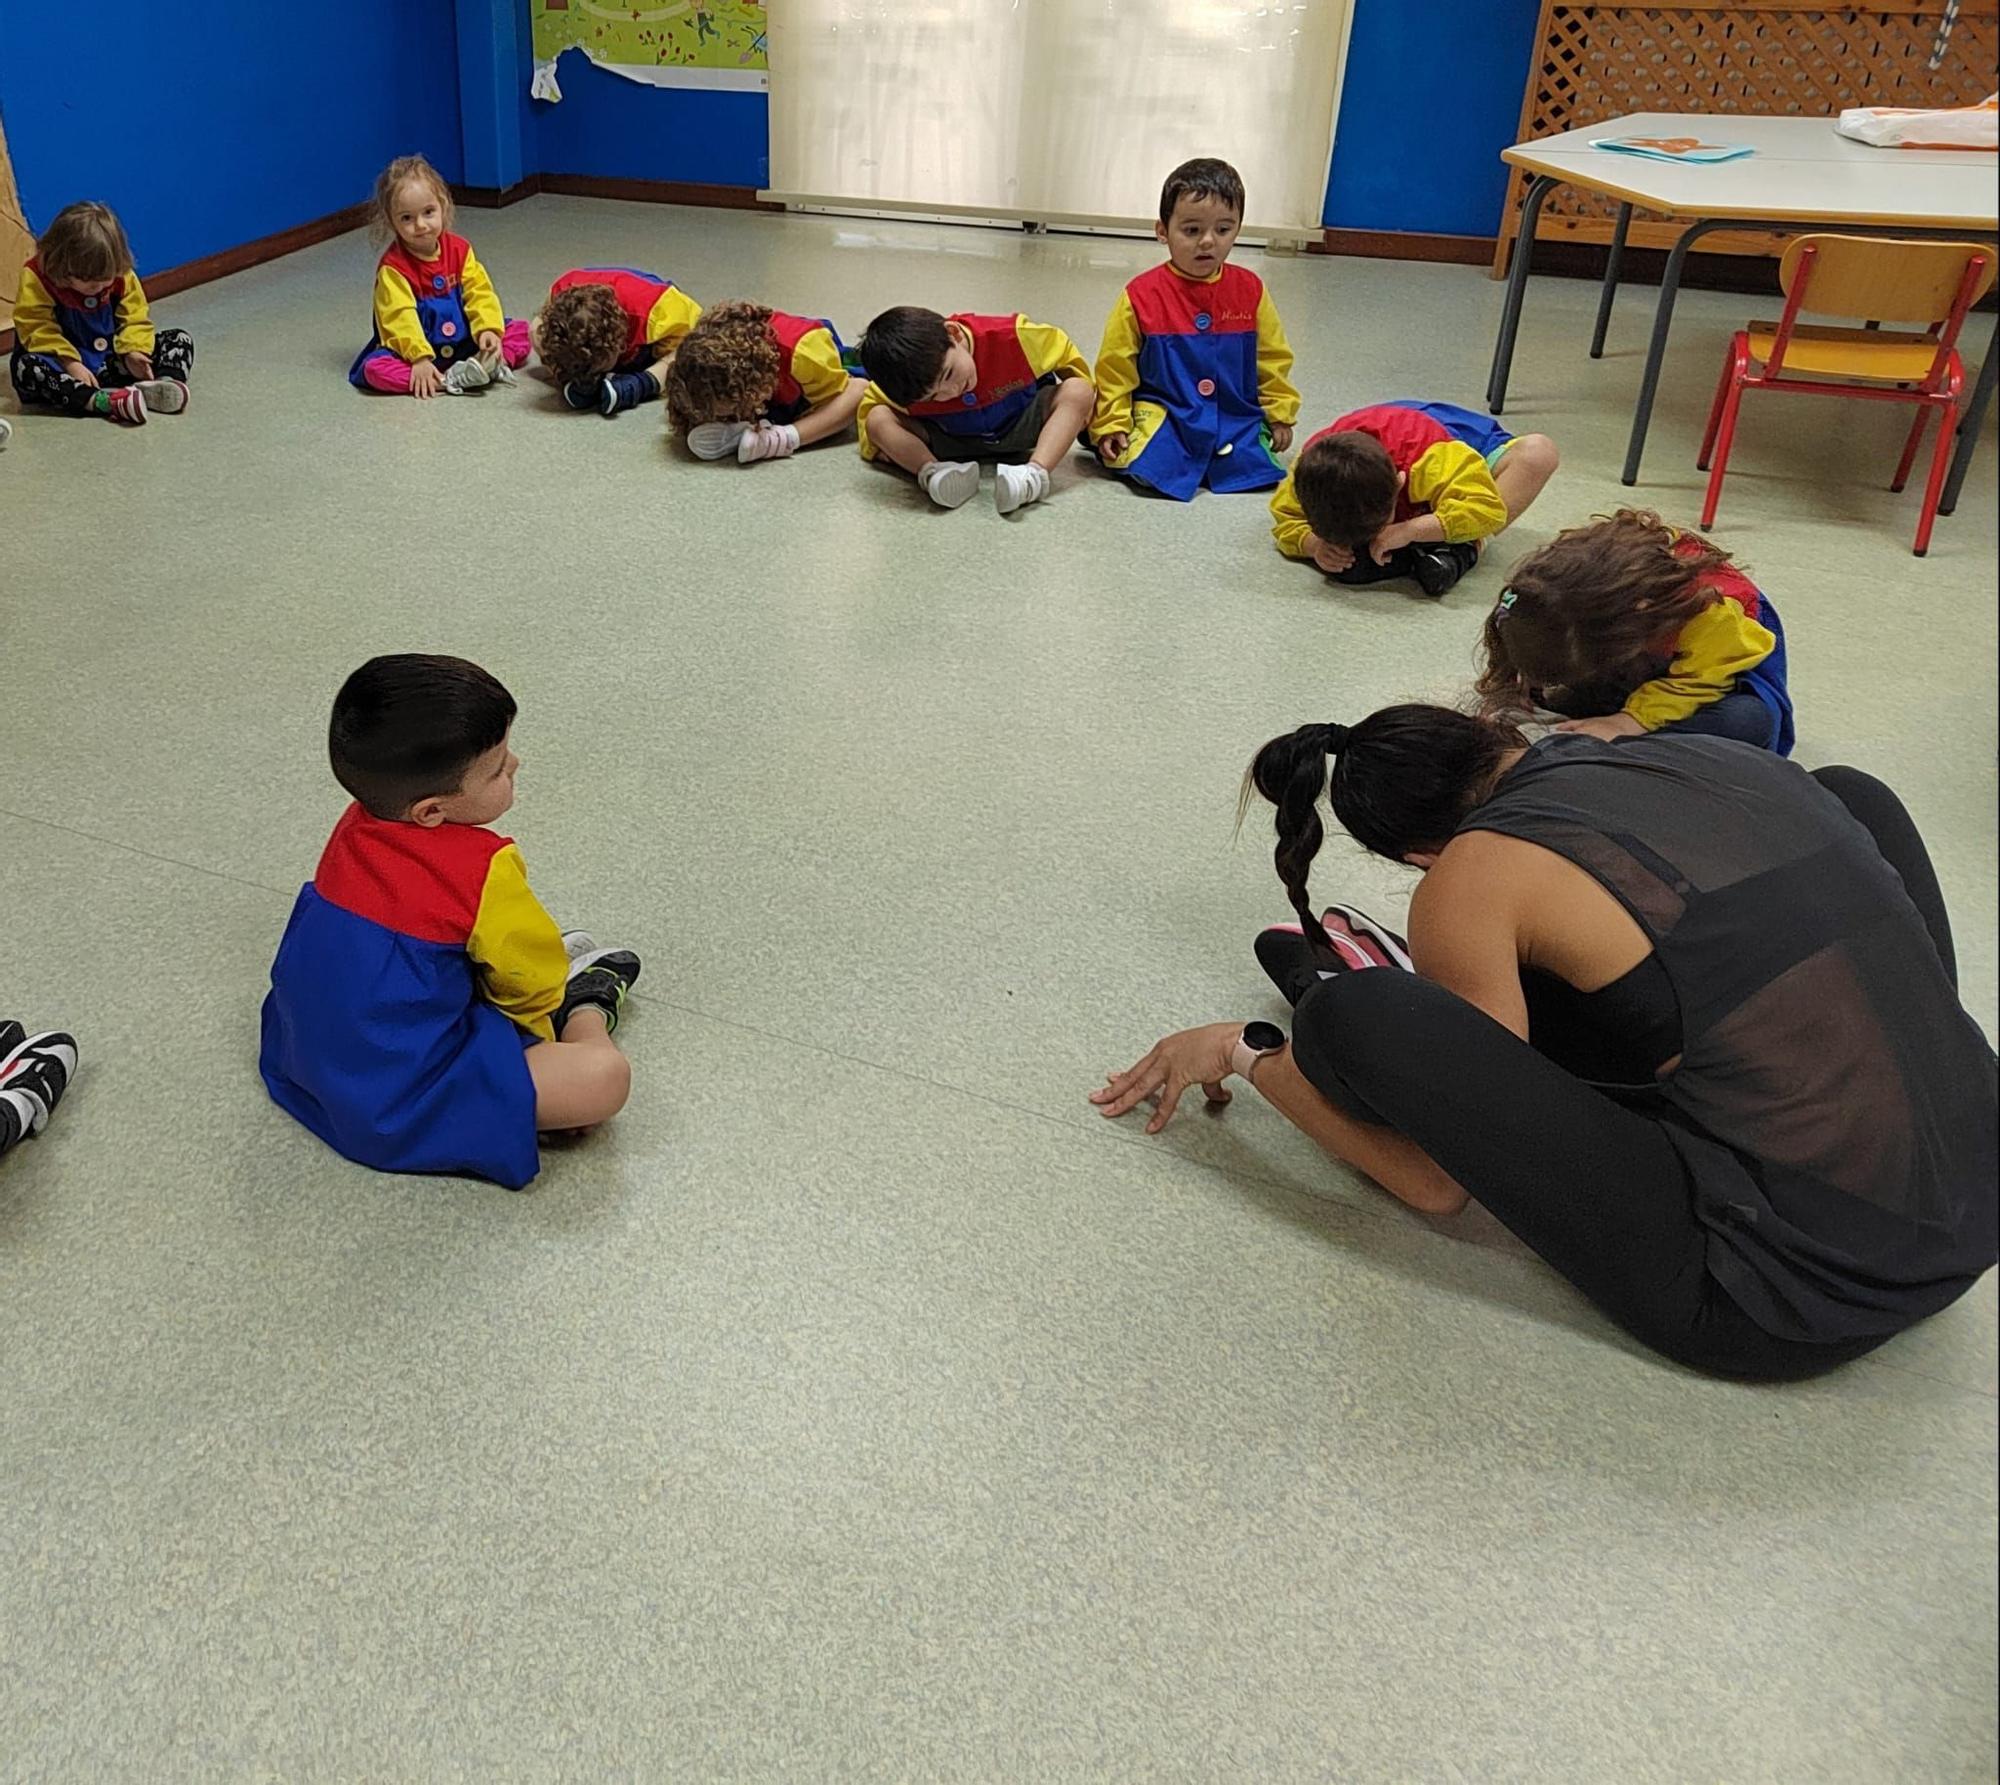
(1970, 423)
(1613, 262)
(1656, 351)
(1517, 284)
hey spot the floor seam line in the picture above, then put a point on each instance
(172, 861)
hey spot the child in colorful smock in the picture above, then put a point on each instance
(438, 324)
(425, 1013)
(761, 383)
(1628, 626)
(1193, 377)
(84, 340)
(947, 391)
(606, 333)
(1407, 489)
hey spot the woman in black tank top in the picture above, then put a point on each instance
(1683, 1016)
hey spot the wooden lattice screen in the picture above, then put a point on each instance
(1595, 63)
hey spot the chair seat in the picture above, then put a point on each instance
(1823, 352)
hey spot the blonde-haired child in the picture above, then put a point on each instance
(84, 341)
(438, 324)
(760, 383)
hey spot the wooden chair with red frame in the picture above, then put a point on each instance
(1885, 281)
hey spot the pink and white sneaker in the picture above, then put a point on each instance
(1355, 942)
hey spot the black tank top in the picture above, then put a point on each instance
(1834, 1103)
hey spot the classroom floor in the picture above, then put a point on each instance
(860, 1405)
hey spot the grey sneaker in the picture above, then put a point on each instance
(467, 375)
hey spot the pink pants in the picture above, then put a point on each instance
(391, 372)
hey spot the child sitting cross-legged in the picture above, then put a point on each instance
(1407, 489)
(425, 1013)
(605, 335)
(760, 383)
(948, 391)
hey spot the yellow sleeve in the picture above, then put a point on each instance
(135, 333)
(672, 318)
(1289, 526)
(1276, 395)
(1050, 350)
(482, 302)
(1714, 648)
(817, 365)
(1117, 375)
(516, 948)
(396, 323)
(1452, 481)
(35, 327)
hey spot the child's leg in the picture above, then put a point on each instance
(173, 354)
(898, 442)
(386, 371)
(1524, 471)
(38, 379)
(833, 417)
(515, 343)
(1069, 415)
(582, 1079)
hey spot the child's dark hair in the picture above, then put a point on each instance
(1399, 782)
(1347, 485)
(1592, 607)
(581, 332)
(725, 368)
(407, 727)
(904, 351)
(1203, 177)
(392, 179)
(84, 244)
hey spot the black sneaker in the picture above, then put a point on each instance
(623, 390)
(12, 1034)
(35, 1072)
(601, 977)
(583, 393)
(1438, 567)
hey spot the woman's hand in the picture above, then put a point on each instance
(1331, 558)
(425, 378)
(1610, 728)
(1193, 1057)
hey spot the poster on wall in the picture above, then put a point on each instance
(664, 43)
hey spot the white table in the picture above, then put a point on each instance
(1803, 172)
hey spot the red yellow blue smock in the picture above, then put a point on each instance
(1013, 359)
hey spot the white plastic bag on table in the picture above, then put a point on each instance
(1910, 127)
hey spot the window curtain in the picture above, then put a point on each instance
(1053, 110)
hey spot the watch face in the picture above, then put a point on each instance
(1263, 1038)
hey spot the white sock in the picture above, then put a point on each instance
(1015, 486)
(950, 483)
(767, 440)
(716, 439)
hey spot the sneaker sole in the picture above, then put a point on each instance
(955, 488)
(1364, 925)
(719, 445)
(164, 396)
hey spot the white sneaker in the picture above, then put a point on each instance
(467, 375)
(1015, 486)
(716, 439)
(6, 432)
(950, 483)
(767, 440)
(503, 373)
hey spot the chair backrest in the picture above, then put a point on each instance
(1881, 278)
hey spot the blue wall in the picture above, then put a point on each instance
(1433, 94)
(237, 119)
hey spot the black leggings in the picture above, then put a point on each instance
(1596, 1188)
(39, 379)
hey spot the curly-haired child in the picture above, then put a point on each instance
(438, 322)
(1628, 626)
(84, 340)
(760, 383)
(606, 334)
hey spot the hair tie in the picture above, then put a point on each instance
(1504, 606)
(1333, 739)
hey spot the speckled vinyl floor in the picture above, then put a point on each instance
(860, 1406)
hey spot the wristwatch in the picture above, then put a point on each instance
(1257, 1040)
